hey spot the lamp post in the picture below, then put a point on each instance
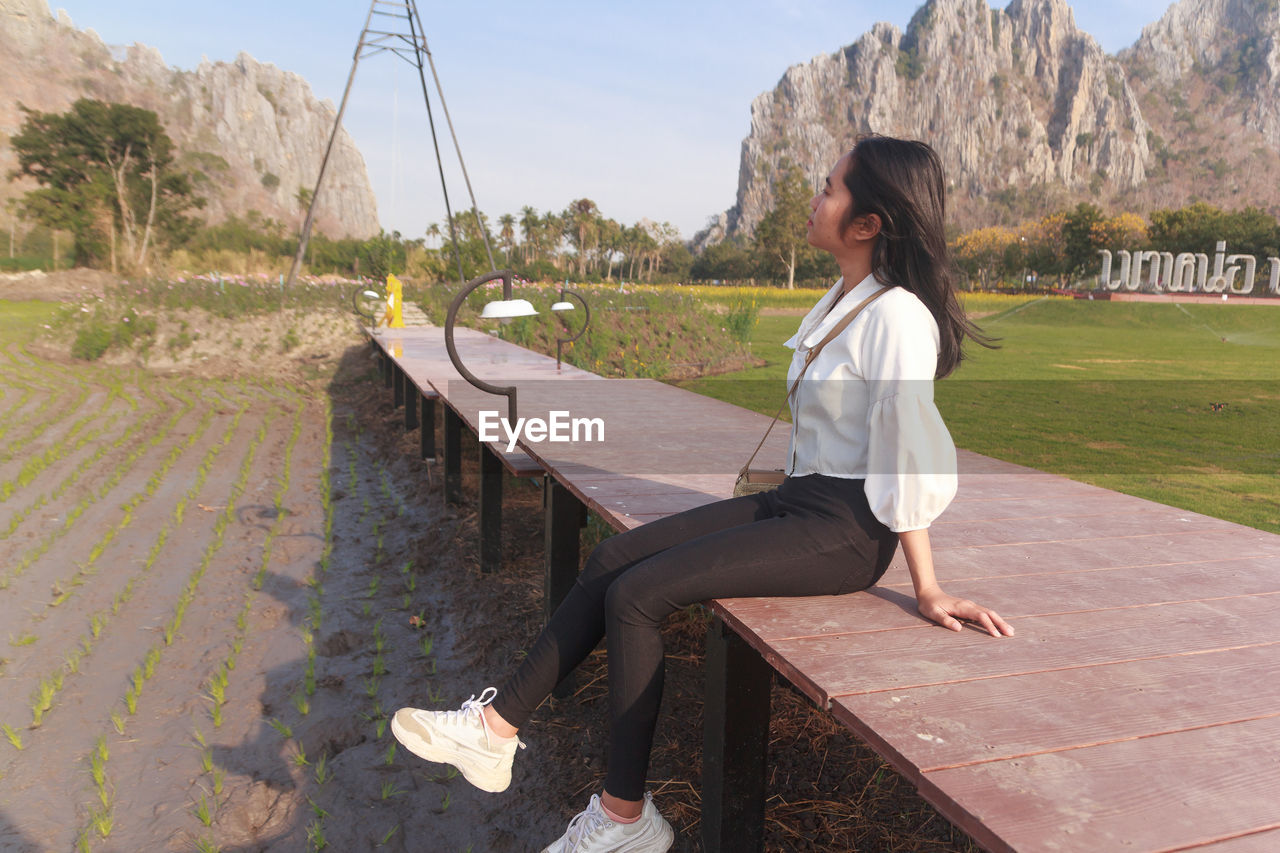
(503, 309)
(358, 294)
(564, 305)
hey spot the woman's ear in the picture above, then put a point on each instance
(865, 226)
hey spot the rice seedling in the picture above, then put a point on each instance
(205, 844)
(322, 770)
(131, 701)
(316, 810)
(24, 640)
(371, 686)
(388, 835)
(380, 728)
(219, 775)
(206, 759)
(390, 755)
(12, 735)
(309, 673)
(426, 644)
(102, 821)
(203, 810)
(379, 666)
(42, 701)
(117, 721)
(281, 727)
(390, 790)
(315, 835)
(301, 702)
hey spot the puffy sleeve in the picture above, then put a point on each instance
(911, 460)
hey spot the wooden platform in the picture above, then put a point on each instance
(1137, 708)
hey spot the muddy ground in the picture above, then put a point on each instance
(259, 720)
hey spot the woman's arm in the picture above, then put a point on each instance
(932, 602)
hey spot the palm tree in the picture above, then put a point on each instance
(580, 221)
(529, 226)
(552, 231)
(507, 234)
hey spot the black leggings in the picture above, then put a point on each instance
(813, 535)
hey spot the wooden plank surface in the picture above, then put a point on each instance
(1016, 716)
(1265, 841)
(1153, 793)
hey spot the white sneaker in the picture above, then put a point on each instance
(460, 738)
(592, 831)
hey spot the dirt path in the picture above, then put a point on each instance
(215, 591)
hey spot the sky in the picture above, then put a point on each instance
(641, 107)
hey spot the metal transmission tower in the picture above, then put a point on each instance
(396, 27)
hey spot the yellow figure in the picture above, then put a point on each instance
(397, 350)
(394, 318)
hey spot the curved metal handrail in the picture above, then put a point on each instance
(508, 392)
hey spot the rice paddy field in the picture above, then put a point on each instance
(214, 590)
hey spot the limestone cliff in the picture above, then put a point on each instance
(257, 133)
(1208, 77)
(1029, 113)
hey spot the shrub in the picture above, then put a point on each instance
(92, 341)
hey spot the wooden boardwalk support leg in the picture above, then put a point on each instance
(410, 404)
(428, 428)
(452, 456)
(735, 743)
(398, 381)
(387, 367)
(490, 509)
(563, 514)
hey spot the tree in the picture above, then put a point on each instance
(1199, 227)
(1079, 238)
(1041, 248)
(529, 226)
(1122, 231)
(780, 236)
(104, 168)
(507, 234)
(579, 224)
(723, 261)
(981, 253)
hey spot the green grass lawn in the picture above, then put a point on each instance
(1120, 395)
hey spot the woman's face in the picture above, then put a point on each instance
(830, 206)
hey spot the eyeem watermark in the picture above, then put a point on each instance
(557, 427)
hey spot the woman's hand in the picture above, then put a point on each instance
(947, 611)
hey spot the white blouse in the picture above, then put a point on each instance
(865, 406)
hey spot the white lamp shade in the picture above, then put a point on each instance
(369, 294)
(562, 306)
(502, 309)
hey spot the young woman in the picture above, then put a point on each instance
(871, 466)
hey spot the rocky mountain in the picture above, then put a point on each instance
(1029, 113)
(257, 133)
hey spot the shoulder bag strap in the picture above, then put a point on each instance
(808, 359)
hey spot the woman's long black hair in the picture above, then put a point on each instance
(901, 182)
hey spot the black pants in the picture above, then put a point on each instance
(813, 535)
